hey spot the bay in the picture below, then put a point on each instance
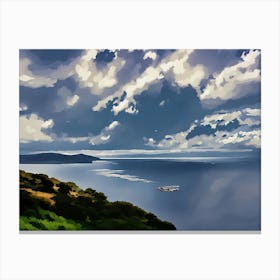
(215, 193)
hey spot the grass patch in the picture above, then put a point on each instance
(48, 220)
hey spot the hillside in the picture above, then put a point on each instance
(49, 204)
(56, 158)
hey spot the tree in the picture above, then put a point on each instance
(64, 188)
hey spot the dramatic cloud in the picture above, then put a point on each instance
(227, 139)
(174, 68)
(83, 68)
(46, 77)
(32, 129)
(138, 100)
(97, 79)
(220, 140)
(248, 138)
(235, 81)
(221, 130)
(246, 116)
(27, 78)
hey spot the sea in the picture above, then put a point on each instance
(214, 193)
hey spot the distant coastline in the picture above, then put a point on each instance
(56, 158)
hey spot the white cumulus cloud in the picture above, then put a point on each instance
(71, 101)
(32, 129)
(150, 54)
(235, 81)
(90, 76)
(247, 116)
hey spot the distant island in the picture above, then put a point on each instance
(49, 204)
(56, 158)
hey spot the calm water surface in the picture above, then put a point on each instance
(215, 193)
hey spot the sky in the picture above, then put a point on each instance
(140, 102)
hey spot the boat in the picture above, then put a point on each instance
(171, 188)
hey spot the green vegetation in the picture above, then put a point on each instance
(48, 204)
